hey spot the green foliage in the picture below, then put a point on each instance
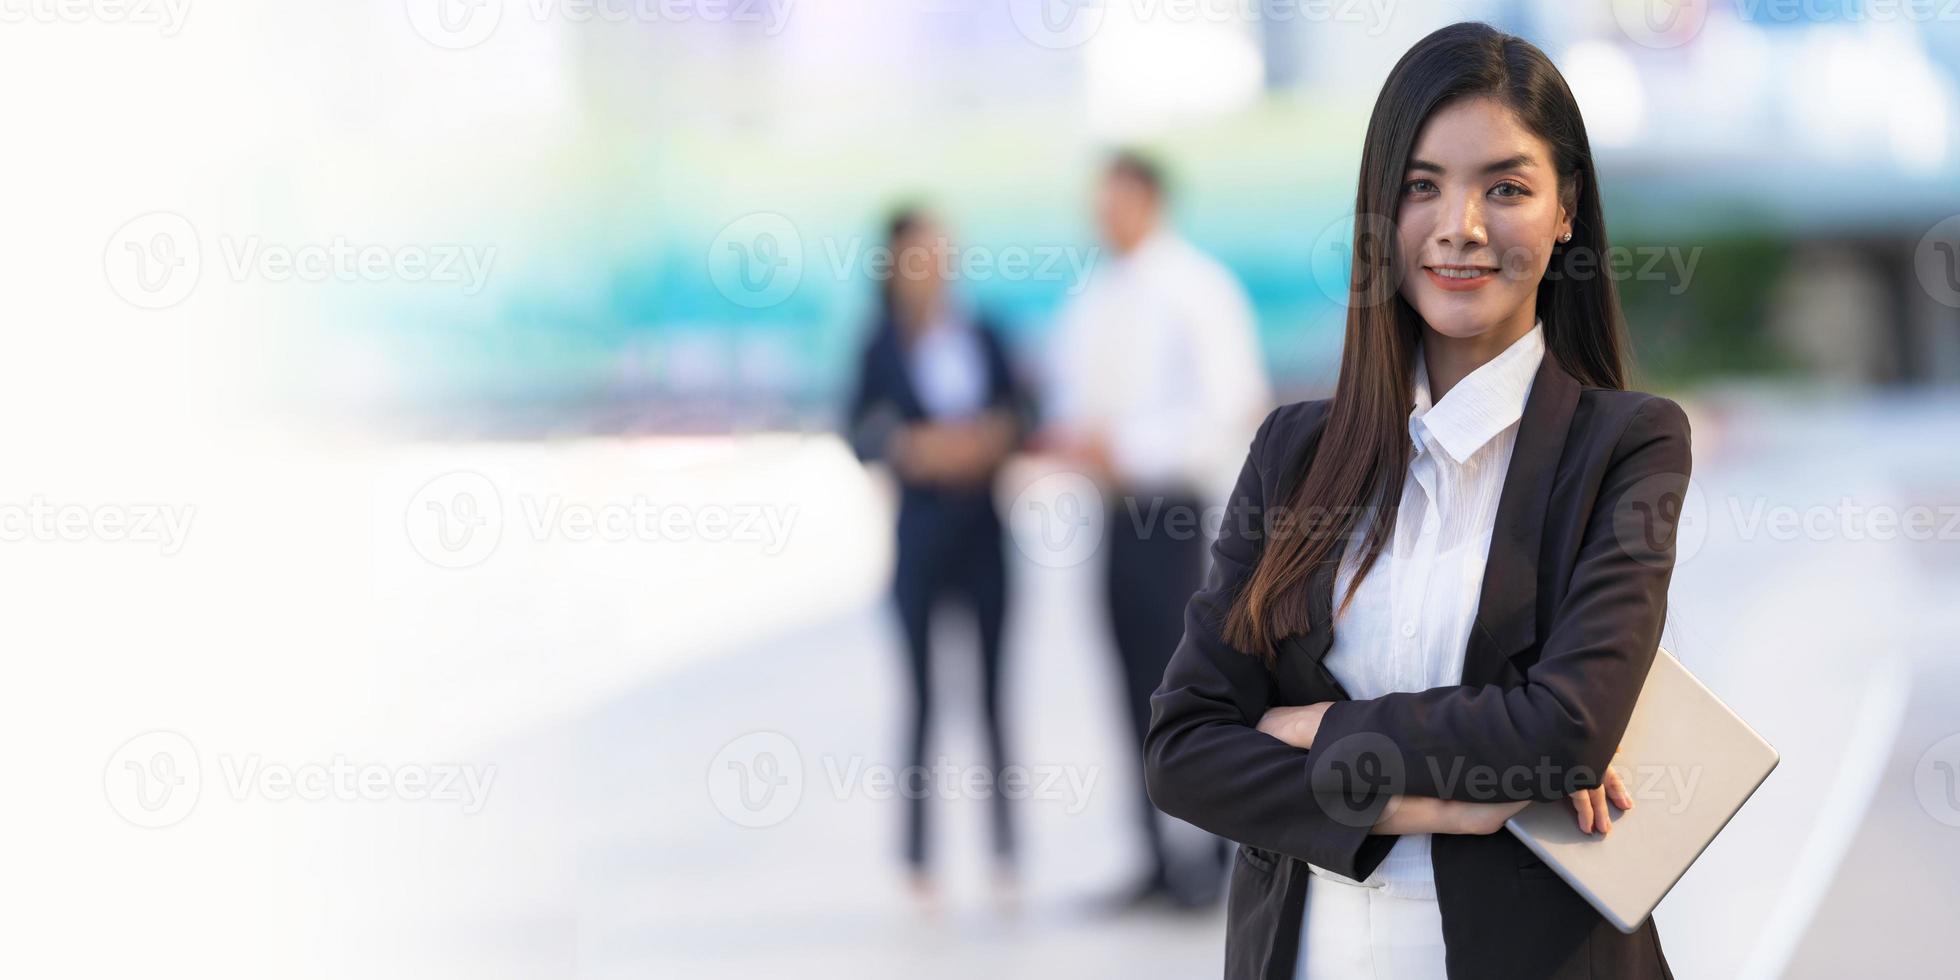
(1712, 321)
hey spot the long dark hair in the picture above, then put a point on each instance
(899, 225)
(1362, 458)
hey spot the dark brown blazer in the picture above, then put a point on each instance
(1574, 596)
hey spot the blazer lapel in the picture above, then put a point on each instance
(1507, 610)
(1302, 654)
(1507, 619)
(891, 352)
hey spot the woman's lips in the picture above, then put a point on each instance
(1464, 278)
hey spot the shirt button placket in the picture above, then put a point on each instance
(1414, 663)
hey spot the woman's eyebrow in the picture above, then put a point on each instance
(1519, 162)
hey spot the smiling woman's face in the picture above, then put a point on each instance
(1480, 213)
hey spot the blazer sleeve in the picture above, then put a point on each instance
(870, 417)
(1558, 731)
(1006, 390)
(1206, 762)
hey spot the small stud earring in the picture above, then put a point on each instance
(1565, 237)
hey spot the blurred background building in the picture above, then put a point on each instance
(1798, 155)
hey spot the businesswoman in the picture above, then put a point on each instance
(935, 398)
(1489, 503)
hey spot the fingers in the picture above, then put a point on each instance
(1591, 804)
(1616, 790)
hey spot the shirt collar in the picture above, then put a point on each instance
(1481, 405)
(1158, 241)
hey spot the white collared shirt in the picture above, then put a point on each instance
(1159, 356)
(948, 365)
(1410, 621)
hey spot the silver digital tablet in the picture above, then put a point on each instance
(1689, 764)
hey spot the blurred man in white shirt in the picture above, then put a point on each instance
(1157, 387)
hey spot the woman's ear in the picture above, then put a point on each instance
(1568, 202)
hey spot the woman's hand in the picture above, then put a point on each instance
(1480, 818)
(953, 453)
(1429, 815)
(1296, 725)
(1590, 804)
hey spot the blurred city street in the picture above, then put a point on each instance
(461, 454)
(632, 866)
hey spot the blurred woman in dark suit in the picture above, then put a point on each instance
(936, 400)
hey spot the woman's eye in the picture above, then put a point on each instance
(1417, 186)
(1509, 189)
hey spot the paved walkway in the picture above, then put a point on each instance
(617, 849)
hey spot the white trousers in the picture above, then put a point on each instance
(1354, 932)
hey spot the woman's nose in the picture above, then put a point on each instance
(1462, 223)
